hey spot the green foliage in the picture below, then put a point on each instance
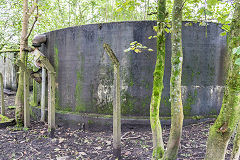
(56, 14)
(236, 50)
(11, 107)
(4, 119)
(137, 47)
(211, 2)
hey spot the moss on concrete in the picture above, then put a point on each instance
(189, 101)
(127, 103)
(56, 66)
(78, 91)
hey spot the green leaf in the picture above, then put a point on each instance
(169, 25)
(150, 50)
(223, 33)
(119, 10)
(211, 2)
(132, 43)
(237, 62)
(226, 27)
(188, 24)
(127, 50)
(209, 13)
(201, 10)
(236, 50)
(137, 50)
(155, 28)
(150, 37)
(167, 30)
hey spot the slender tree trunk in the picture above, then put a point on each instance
(236, 145)
(223, 128)
(23, 44)
(175, 83)
(19, 101)
(158, 146)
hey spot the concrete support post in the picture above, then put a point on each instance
(26, 100)
(51, 102)
(42, 61)
(117, 115)
(116, 104)
(43, 95)
(2, 95)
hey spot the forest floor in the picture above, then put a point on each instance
(34, 143)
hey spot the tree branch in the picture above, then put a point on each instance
(29, 33)
(10, 50)
(34, 5)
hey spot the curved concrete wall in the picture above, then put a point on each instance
(85, 73)
(8, 70)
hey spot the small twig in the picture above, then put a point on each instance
(183, 4)
(125, 134)
(20, 156)
(152, 13)
(131, 137)
(10, 50)
(34, 5)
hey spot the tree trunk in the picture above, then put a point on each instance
(223, 128)
(158, 146)
(175, 83)
(236, 145)
(19, 101)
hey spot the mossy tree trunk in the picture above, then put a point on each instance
(223, 128)
(19, 101)
(175, 83)
(236, 145)
(158, 147)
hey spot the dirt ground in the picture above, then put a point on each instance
(68, 143)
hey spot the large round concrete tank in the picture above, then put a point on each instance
(85, 72)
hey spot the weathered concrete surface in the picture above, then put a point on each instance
(8, 70)
(85, 75)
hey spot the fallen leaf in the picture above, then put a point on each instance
(83, 153)
(127, 153)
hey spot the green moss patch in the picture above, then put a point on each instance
(4, 119)
(11, 107)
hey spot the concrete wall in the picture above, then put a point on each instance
(8, 70)
(85, 73)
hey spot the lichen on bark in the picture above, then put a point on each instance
(175, 83)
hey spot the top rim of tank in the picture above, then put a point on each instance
(94, 24)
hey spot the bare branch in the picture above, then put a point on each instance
(10, 50)
(29, 33)
(34, 5)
